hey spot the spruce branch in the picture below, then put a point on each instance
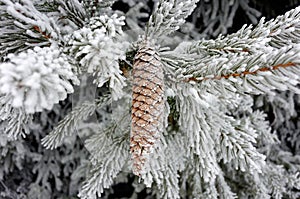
(249, 185)
(168, 17)
(37, 79)
(237, 146)
(275, 172)
(100, 3)
(215, 144)
(162, 171)
(44, 34)
(93, 6)
(113, 126)
(224, 189)
(195, 121)
(283, 30)
(276, 33)
(74, 10)
(114, 155)
(217, 16)
(234, 139)
(259, 123)
(240, 42)
(98, 50)
(17, 124)
(243, 73)
(67, 126)
(23, 26)
(13, 120)
(111, 24)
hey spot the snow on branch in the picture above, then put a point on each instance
(246, 61)
(13, 120)
(276, 33)
(162, 171)
(102, 3)
(37, 79)
(195, 121)
(22, 25)
(237, 145)
(112, 25)
(169, 16)
(213, 136)
(258, 73)
(218, 16)
(114, 155)
(93, 6)
(98, 50)
(223, 188)
(240, 42)
(74, 10)
(67, 126)
(283, 30)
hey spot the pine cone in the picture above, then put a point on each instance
(147, 105)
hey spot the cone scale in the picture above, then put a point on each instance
(147, 105)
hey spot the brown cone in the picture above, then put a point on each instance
(147, 105)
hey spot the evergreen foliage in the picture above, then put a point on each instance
(230, 112)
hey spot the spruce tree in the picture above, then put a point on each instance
(159, 95)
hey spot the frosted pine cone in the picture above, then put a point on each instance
(147, 105)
